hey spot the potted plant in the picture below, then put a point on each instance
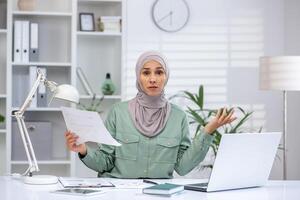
(2, 120)
(94, 105)
(200, 116)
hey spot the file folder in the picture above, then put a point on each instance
(25, 42)
(17, 41)
(42, 94)
(32, 78)
(34, 41)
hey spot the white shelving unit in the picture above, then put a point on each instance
(62, 48)
(99, 53)
(3, 86)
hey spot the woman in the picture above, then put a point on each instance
(154, 133)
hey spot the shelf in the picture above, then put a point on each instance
(44, 162)
(39, 109)
(96, 1)
(3, 96)
(40, 13)
(99, 96)
(2, 130)
(3, 31)
(82, 33)
(48, 64)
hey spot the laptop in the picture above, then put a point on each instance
(244, 160)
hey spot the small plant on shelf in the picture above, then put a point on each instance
(93, 105)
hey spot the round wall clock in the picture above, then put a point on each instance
(170, 15)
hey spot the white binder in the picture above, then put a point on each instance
(25, 41)
(34, 42)
(32, 79)
(42, 94)
(18, 41)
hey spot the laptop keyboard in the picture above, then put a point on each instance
(199, 184)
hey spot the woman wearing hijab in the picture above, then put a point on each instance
(154, 133)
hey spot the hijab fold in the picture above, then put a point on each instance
(149, 113)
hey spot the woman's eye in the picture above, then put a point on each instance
(160, 72)
(146, 73)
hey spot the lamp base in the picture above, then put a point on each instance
(40, 180)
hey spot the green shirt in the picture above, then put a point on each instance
(143, 157)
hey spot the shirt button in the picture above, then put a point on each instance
(126, 140)
(145, 171)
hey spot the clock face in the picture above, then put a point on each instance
(170, 15)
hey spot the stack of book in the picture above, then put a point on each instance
(167, 189)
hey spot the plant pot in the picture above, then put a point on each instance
(27, 5)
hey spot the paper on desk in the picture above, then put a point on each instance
(88, 126)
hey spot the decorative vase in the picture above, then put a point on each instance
(100, 25)
(108, 87)
(27, 5)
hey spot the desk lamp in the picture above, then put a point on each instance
(64, 92)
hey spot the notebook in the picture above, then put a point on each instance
(163, 189)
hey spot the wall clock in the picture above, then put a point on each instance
(170, 15)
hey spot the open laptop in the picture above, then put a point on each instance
(243, 161)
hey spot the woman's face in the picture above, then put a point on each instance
(152, 78)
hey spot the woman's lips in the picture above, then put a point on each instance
(152, 87)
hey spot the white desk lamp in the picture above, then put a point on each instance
(65, 92)
(281, 73)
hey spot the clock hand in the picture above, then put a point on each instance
(164, 17)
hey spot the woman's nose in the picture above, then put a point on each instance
(152, 79)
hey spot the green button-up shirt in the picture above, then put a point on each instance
(143, 157)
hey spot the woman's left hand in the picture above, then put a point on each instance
(220, 119)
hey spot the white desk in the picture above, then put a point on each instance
(11, 189)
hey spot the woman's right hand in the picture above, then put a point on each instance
(71, 139)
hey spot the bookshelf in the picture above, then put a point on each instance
(62, 48)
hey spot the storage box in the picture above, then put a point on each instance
(40, 134)
(111, 23)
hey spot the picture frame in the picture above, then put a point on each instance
(86, 22)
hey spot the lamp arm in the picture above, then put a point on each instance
(33, 166)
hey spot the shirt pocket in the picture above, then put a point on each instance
(128, 149)
(166, 150)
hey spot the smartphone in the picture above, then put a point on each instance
(81, 192)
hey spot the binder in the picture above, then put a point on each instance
(25, 42)
(33, 52)
(17, 41)
(32, 79)
(42, 94)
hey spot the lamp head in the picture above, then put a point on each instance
(66, 92)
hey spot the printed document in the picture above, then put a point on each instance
(74, 182)
(88, 126)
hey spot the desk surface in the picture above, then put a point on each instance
(14, 189)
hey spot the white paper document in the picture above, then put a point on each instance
(88, 126)
(74, 182)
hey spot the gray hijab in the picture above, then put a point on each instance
(149, 113)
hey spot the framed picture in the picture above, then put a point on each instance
(86, 22)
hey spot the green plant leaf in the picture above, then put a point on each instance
(240, 123)
(196, 116)
(201, 96)
(190, 96)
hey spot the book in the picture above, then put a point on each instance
(73, 182)
(164, 189)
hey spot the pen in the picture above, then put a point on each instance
(149, 181)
